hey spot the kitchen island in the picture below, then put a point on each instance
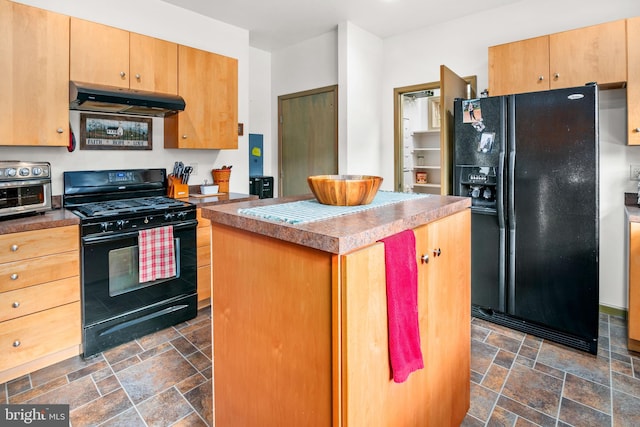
(300, 317)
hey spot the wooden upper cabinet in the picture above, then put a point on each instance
(153, 64)
(570, 58)
(208, 82)
(591, 54)
(99, 54)
(633, 82)
(111, 56)
(34, 47)
(519, 67)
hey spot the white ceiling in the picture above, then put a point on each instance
(274, 24)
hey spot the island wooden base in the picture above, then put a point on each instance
(300, 335)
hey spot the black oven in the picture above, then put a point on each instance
(116, 306)
(118, 209)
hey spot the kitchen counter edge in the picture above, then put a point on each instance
(342, 234)
(61, 217)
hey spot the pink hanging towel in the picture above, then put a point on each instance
(157, 258)
(402, 304)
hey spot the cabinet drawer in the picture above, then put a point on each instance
(204, 255)
(31, 244)
(30, 337)
(32, 299)
(35, 271)
(204, 282)
(203, 236)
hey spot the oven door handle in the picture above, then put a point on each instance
(101, 238)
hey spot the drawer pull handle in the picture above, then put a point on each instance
(16, 343)
(122, 74)
(437, 252)
(424, 259)
(636, 130)
(14, 248)
(16, 304)
(14, 276)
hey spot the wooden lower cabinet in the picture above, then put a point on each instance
(300, 335)
(40, 315)
(633, 325)
(203, 243)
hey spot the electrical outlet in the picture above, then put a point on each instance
(194, 172)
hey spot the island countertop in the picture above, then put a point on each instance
(341, 234)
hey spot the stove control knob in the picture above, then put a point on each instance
(182, 215)
(10, 172)
(168, 216)
(104, 226)
(120, 224)
(36, 171)
(24, 171)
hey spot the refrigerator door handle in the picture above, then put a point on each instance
(511, 211)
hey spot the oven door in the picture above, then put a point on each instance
(24, 196)
(116, 306)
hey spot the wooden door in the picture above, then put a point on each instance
(99, 54)
(34, 47)
(447, 279)
(308, 138)
(633, 81)
(153, 64)
(591, 54)
(451, 87)
(519, 67)
(208, 82)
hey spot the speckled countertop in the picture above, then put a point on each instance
(341, 234)
(50, 219)
(58, 217)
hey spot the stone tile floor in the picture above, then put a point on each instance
(164, 379)
(520, 380)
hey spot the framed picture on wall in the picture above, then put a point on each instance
(104, 132)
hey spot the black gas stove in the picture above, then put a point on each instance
(129, 226)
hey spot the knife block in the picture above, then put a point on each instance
(176, 188)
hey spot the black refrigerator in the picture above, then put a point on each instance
(530, 164)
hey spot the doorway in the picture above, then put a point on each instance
(307, 138)
(423, 132)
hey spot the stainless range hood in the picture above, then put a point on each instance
(112, 99)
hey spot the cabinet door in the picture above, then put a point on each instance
(153, 64)
(447, 278)
(634, 286)
(34, 47)
(590, 54)
(518, 67)
(209, 85)
(99, 54)
(633, 81)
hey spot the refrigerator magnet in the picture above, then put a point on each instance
(486, 142)
(471, 111)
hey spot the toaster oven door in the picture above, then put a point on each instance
(24, 196)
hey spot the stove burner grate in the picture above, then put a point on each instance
(122, 206)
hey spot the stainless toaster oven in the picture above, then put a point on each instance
(25, 187)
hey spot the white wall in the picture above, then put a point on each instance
(360, 72)
(260, 106)
(167, 22)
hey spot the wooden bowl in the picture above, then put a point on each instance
(344, 190)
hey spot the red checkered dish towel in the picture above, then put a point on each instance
(157, 254)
